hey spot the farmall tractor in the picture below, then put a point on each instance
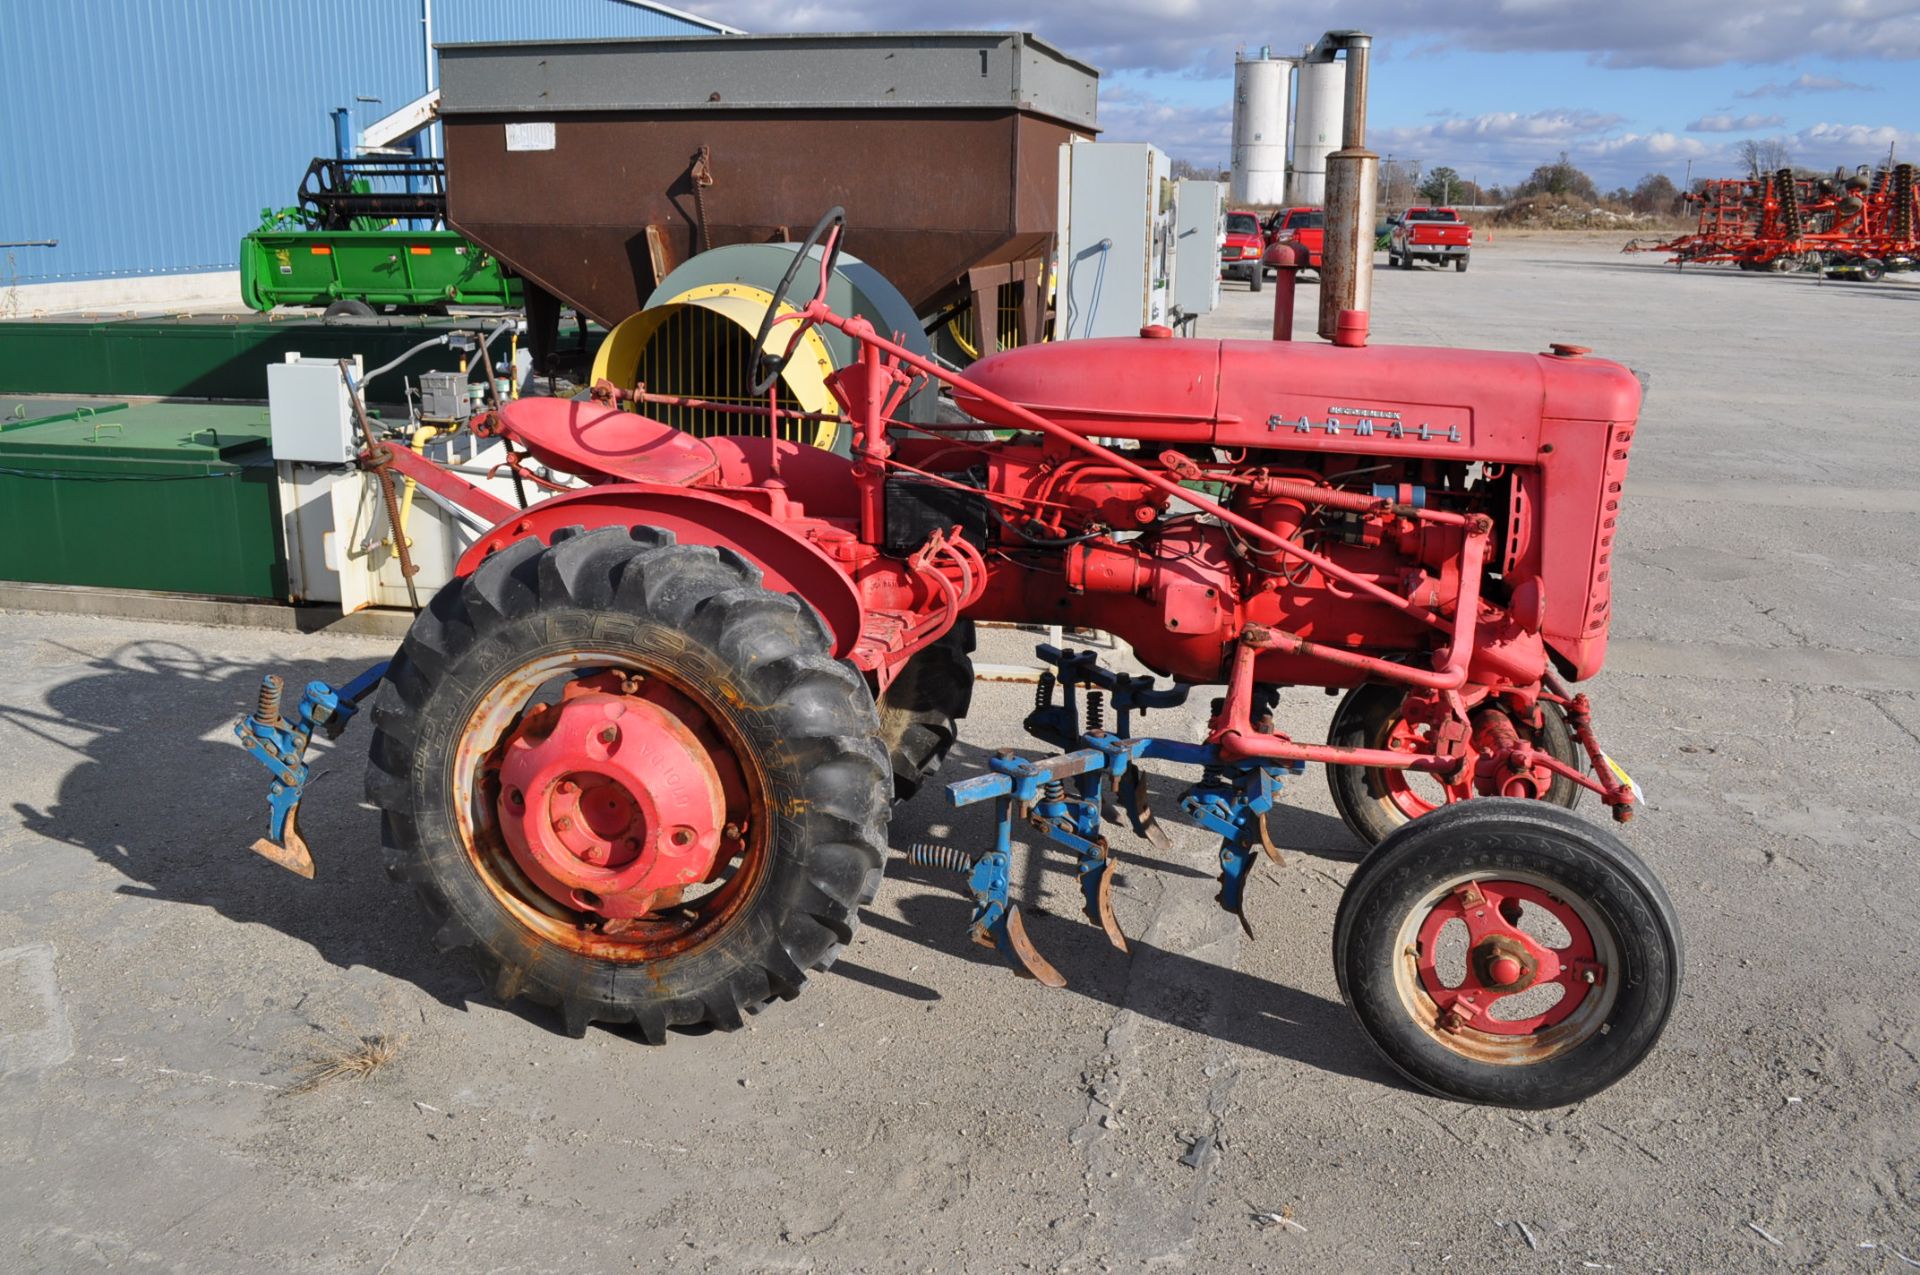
(638, 758)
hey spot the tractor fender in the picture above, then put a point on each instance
(788, 561)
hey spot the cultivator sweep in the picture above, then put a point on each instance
(638, 758)
(1858, 226)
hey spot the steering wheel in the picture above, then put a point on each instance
(764, 369)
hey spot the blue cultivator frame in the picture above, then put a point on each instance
(1070, 795)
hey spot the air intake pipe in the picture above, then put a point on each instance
(1353, 176)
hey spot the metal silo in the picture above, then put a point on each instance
(1316, 128)
(1260, 93)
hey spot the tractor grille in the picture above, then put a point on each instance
(1600, 596)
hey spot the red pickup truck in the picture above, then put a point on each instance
(1304, 226)
(1430, 234)
(1242, 249)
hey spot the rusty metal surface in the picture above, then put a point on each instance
(293, 856)
(1346, 275)
(683, 920)
(932, 195)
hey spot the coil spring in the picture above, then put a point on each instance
(1096, 711)
(1043, 692)
(937, 854)
(1054, 791)
(1788, 193)
(269, 708)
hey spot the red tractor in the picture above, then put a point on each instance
(638, 758)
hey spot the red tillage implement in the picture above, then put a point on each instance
(1853, 227)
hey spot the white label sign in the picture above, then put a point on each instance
(530, 137)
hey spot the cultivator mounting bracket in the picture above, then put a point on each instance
(1070, 795)
(280, 742)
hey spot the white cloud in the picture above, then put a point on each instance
(1736, 123)
(1848, 145)
(1182, 35)
(1203, 134)
(1549, 125)
(1195, 39)
(1807, 84)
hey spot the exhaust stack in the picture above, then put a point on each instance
(1353, 174)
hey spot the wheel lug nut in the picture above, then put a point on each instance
(610, 735)
(563, 824)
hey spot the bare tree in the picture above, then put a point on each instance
(1765, 156)
(1398, 180)
(1656, 193)
(1204, 172)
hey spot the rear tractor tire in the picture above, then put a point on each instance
(629, 781)
(1375, 802)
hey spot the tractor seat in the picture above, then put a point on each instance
(593, 441)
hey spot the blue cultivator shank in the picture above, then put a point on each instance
(280, 744)
(1070, 795)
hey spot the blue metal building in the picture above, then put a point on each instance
(146, 136)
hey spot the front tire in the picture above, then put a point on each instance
(652, 630)
(921, 710)
(1507, 952)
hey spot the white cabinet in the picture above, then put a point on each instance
(1199, 233)
(1116, 233)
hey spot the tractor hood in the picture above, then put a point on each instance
(1393, 399)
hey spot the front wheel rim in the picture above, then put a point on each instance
(1486, 994)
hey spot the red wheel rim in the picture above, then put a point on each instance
(1484, 988)
(1413, 796)
(628, 858)
(1414, 793)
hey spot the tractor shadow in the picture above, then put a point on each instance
(162, 793)
(1189, 992)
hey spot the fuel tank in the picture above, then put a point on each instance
(1397, 400)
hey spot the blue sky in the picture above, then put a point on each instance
(1491, 88)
